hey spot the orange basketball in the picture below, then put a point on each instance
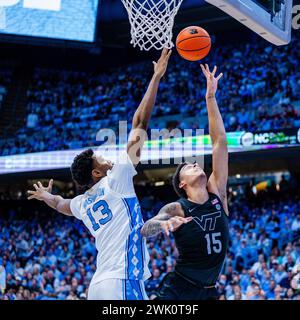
(193, 43)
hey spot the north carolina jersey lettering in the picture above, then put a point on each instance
(112, 213)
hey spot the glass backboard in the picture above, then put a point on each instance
(269, 18)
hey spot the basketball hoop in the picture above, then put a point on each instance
(152, 22)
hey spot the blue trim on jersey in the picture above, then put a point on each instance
(133, 290)
(123, 290)
(140, 290)
(126, 258)
(135, 257)
(128, 213)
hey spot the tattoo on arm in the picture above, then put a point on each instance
(153, 226)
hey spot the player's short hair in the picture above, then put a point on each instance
(82, 167)
(176, 181)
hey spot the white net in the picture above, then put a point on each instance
(152, 22)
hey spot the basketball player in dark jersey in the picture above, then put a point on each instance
(198, 219)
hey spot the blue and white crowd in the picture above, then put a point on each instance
(44, 255)
(5, 80)
(260, 90)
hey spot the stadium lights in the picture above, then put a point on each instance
(159, 183)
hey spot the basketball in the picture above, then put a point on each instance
(193, 43)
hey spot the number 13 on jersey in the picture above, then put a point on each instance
(103, 208)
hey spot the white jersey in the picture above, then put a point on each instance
(111, 212)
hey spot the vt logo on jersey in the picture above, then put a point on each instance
(208, 221)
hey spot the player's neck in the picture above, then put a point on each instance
(198, 195)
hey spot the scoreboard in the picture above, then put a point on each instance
(73, 20)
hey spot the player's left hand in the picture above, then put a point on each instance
(212, 80)
(39, 190)
(161, 65)
(174, 223)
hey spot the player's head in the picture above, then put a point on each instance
(88, 168)
(188, 175)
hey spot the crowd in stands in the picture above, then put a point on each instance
(5, 80)
(66, 109)
(44, 255)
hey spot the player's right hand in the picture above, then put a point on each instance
(161, 65)
(174, 223)
(211, 79)
(40, 191)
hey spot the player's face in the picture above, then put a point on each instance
(102, 165)
(191, 173)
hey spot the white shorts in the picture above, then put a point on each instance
(117, 289)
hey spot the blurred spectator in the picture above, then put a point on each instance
(66, 109)
(47, 256)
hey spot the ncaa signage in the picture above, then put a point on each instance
(51, 5)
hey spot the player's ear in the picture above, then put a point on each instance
(182, 184)
(96, 173)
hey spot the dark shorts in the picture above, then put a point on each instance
(175, 287)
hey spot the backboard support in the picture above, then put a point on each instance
(276, 28)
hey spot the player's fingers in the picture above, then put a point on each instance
(166, 230)
(203, 69)
(31, 192)
(214, 71)
(220, 76)
(207, 68)
(50, 185)
(170, 226)
(40, 185)
(163, 54)
(169, 54)
(189, 219)
(206, 75)
(36, 187)
(184, 220)
(31, 197)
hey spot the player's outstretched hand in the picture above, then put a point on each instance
(40, 191)
(161, 65)
(212, 80)
(174, 223)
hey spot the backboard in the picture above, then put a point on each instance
(270, 19)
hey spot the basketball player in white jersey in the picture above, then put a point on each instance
(110, 208)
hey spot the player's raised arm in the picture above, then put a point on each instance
(58, 203)
(169, 218)
(142, 115)
(218, 179)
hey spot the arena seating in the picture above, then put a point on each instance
(44, 255)
(5, 80)
(67, 108)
